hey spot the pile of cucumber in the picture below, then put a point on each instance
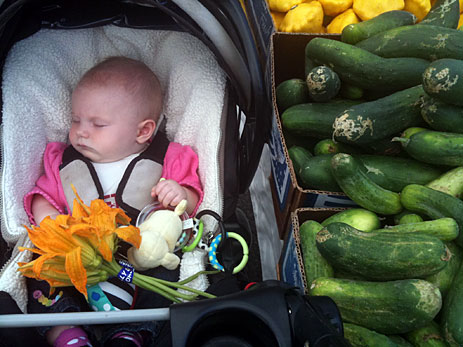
(385, 127)
(391, 283)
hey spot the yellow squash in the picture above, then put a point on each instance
(283, 5)
(277, 18)
(304, 18)
(367, 9)
(340, 21)
(334, 7)
(419, 8)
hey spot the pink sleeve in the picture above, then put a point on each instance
(49, 184)
(181, 165)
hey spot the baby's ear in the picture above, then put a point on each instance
(145, 130)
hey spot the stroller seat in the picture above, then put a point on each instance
(38, 77)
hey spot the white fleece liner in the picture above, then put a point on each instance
(39, 75)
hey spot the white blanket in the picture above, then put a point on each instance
(39, 75)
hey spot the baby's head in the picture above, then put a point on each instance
(115, 108)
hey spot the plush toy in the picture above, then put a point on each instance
(159, 234)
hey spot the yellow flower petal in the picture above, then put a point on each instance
(76, 270)
(130, 234)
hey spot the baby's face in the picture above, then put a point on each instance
(104, 124)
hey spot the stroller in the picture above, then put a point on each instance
(221, 26)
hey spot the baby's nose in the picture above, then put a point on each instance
(82, 133)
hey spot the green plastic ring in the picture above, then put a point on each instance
(244, 245)
(213, 248)
(192, 246)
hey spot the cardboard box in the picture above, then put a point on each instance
(291, 267)
(288, 62)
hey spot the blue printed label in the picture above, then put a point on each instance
(280, 167)
(291, 271)
(126, 273)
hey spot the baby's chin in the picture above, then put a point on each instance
(88, 153)
(97, 157)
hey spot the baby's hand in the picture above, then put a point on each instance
(168, 192)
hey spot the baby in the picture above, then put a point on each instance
(115, 154)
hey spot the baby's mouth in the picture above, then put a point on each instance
(82, 146)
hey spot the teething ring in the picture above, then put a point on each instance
(197, 238)
(213, 250)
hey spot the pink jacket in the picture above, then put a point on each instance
(180, 164)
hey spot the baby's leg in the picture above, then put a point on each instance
(62, 336)
(66, 299)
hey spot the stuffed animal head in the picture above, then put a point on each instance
(159, 234)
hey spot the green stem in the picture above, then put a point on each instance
(179, 286)
(162, 287)
(114, 268)
(141, 284)
(403, 140)
(153, 282)
(196, 275)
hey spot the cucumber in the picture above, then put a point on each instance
(323, 84)
(291, 92)
(451, 182)
(371, 94)
(444, 278)
(394, 173)
(383, 147)
(381, 256)
(410, 218)
(314, 119)
(308, 66)
(399, 341)
(428, 42)
(442, 116)
(339, 273)
(348, 173)
(427, 336)
(374, 120)
(435, 147)
(359, 336)
(348, 91)
(397, 218)
(442, 80)
(434, 204)
(359, 218)
(452, 311)
(445, 229)
(364, 69)
(316, 174)
(391, 307)
(328, 146)
(292, 139)
(299, 156)
(444, 13)
(411, 131)
(354, 33)
(314, 264)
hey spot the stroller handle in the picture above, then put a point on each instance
(79, 318)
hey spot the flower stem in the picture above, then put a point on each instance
(179, 286)
(150, 282)
(138, 282)
(162, 287)
(196, 275)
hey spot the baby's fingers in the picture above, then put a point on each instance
(168, 198)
